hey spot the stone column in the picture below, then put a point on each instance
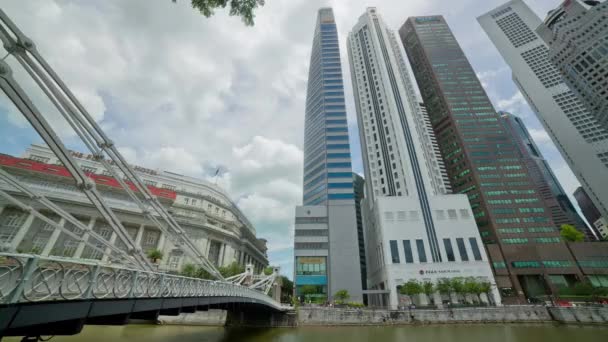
(161, 241)
(222, 252)
(107, 251)
(50, 244)
(207, 246)
(21, 232)
(138, 237)
(85, 237)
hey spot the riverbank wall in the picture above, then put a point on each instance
(580, 315)
(210, 317)
(323, 316)
(335, 316)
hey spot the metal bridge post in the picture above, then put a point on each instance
(133, 284)
(161, 283)
(28, 270)
(94, 275)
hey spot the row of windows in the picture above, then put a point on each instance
(530, 230)
(409, 257)
(341, 196)
(338, 155)
(338, 147)
(543, 263)
(512, 241)
(348, 185)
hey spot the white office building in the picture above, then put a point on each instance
(577, 35)
(580, 138)
(414, 228)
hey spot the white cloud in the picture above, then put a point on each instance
(487, 77)
(186, 93)
(540, 136)
(512, 104)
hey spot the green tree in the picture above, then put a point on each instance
(268, 270)
(472, 286)
(286, 289)
(309, 290)
(486, 287)
(155, 255)
(411, 288)
(342, 295)
(457, 286)
(203, 274)
(571, 234)
(242, 8)
(231, 270)
(429, 289)
(444, 286)
(189, 270)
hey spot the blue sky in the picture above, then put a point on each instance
(180, 92)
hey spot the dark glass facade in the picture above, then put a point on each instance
(589, 209)
(560, 207)
(483, 161)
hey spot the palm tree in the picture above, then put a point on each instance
(429, 289)
(486, 287)
(457, 286)
(155, 255)
(444, 286)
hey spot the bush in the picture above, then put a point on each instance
(342, 296)
(355, 305)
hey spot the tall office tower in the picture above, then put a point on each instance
(414, 227)
(591, 213)
(326, 253)
(483, 162)
(577, 37)
(559, 205)
(581, 140)
(359, 184)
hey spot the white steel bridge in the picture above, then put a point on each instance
(45, 295)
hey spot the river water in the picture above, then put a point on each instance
(423, 333)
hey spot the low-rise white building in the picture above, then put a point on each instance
(398, 248)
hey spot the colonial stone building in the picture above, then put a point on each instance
(209, 217)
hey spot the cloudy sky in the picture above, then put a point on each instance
(181, 92)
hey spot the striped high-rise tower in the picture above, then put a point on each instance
(326, 246)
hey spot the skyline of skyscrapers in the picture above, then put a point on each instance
(325, 252)
(454, 171)
(484, 163)
(414, 227)
(579, 137)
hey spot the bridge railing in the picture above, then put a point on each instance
(32, 278)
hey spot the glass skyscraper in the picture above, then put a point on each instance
(483, 162)
(551, 190)
(326, 245)
(327, 163)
